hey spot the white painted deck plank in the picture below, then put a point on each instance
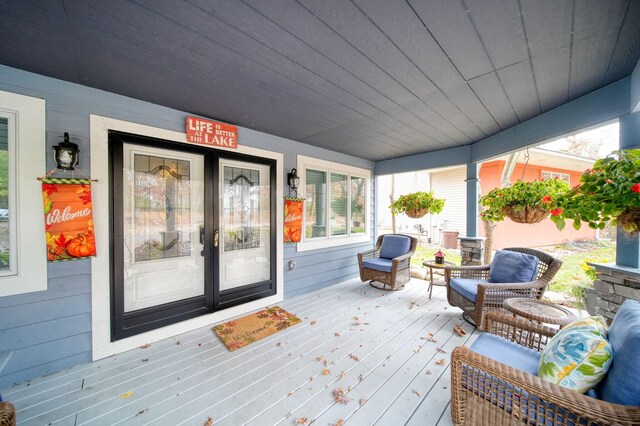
(274, 380)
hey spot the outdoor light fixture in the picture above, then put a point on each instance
(293, 180)
(66, 153)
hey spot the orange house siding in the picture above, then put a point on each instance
(511, 234)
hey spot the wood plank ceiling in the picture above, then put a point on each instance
(377, 79)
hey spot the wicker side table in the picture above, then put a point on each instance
(537, 310)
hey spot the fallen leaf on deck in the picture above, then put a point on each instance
(459, 331)
(301, 421)
(145, 346)
(126, 395)
(319, 358)
(415, 391)
(431, 339)
(279, 344)
(313, 322)
(338, 396)
(360, 377)
(442, 351)
(286, 416)
(145, 359)
(340, 422)
(411, 305)
(336, 334)
(356, 318)
(440, 361)
(428, 372)
(363, 401)
(326, 372)
(141, 412)
(209, 422)
(353, 357)
(325, 362)
(341, 375)
(177, 343)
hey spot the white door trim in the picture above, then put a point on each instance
(102, 346)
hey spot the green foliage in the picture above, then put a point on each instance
(417, 201)
(519, 195)
(605, 192)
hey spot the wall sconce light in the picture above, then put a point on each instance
(293, 180)
(66, 153)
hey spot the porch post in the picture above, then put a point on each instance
(628, 247)
(472, 199)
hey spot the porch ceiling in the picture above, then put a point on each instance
(377, 79)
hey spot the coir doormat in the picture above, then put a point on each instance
(242, 331)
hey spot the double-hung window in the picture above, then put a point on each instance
(336, 203)
(23, 261)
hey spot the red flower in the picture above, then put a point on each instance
(556, 212)
(636, 188)
(499, 194)
(608, 181)
(546, 199)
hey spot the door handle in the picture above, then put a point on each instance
(215, 238)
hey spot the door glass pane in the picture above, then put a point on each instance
(163, 213)
(357, 205)
(245, 224)
(315, 204)
(338, 204)
(5, 240)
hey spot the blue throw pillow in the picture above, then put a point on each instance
(513, 267)
(621, 385)
(394, 246)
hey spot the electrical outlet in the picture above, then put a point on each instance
(292, 265)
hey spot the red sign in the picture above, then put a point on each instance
(211, 133)
(68, 219)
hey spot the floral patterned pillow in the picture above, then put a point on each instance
(578, 356)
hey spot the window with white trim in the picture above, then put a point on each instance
(23, 258)
(336, 203)
(546, 175)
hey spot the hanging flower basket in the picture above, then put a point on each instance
(417, 204)
(526, 214)
(416, 214)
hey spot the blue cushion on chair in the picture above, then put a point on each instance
(513, 267)
(394, 246)
(467, 287)
(507, 352)
(621, 385)
(377, 263)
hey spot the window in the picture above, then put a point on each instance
(546, 175)
(336, 200)
(23, 265)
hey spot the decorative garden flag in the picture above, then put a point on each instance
(293, 208)
(68, 219)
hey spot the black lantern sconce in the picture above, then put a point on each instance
(293, 180)
(66, 153)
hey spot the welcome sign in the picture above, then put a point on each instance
(68, 219)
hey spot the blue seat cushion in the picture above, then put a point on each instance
(394, 246)
(513, 267)
(377, 263)
(621, 384)
(507, 352)
(467, 287)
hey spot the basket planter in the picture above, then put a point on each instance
(415, 214)
(629, 219)
(526, 214)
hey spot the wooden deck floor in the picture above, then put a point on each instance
(388, 351)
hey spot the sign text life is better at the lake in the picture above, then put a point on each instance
(211, 133)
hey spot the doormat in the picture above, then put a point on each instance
(238, 333)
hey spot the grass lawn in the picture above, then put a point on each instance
(573, 275)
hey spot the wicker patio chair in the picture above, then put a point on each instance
(7, 414)
(389, 261)
(487, 392)
(491, 295)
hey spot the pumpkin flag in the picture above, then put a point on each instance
(293, 208)
(68, 219)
